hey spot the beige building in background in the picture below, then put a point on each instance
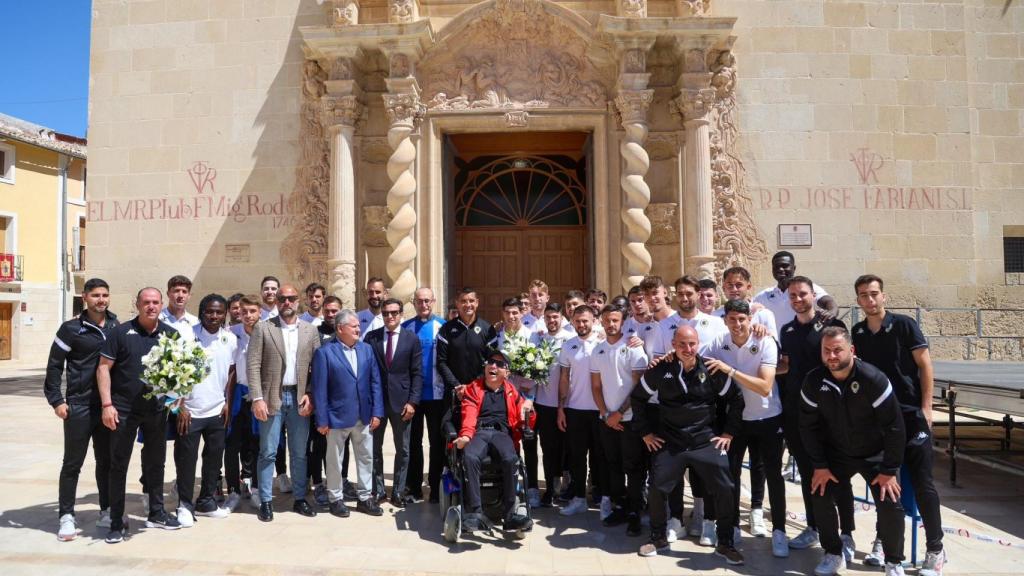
(446, 143)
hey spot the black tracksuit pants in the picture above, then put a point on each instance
(712, 465)
(623, 466)
(122, 441)
(240, 450)
(84, 423)
(427, 418)
(764, 437)
(890, 514)
(581, 433)
(499, 445)
(186, 456)
(844, 491)
(551, 444)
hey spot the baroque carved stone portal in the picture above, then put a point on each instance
(517, 55)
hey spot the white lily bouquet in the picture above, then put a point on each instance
(173, 367)
(529, 360)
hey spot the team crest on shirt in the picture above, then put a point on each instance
(854, 386)
(702, 377)
(601, 352)
(648, 328)
(623, 351)
(704, 322)
(476, 329)
(817, 326)
(754, 349)
(888, 328)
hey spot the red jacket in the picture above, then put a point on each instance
(513, 402)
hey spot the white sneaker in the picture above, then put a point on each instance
(877, 555)
(708, 534)
(254, 499)
(68, 530)
(933, 563)
(830, 564)
(736, 536)
(757, 527)
(675, 528)
(806, 539)
(894, 569)
(217, 512)
(533, 497)
(606, 507)
(849, 547)
(575, 506)
(185, 518)
(780, 544)
(284, 484)
(695, 525)
(231, 502)
(104, 519)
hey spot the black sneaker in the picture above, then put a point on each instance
(349, 491)
(369, 507)
(546, 500)
(732, 556)
(616, 518)
(651, 548)
(517, 522)
(162, 520)
(339, 509)
(633, 527)
(117, 535)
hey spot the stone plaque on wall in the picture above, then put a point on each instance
(235, 253)
(664, 222)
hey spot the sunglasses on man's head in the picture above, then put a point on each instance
(287, 298)
(498, 363)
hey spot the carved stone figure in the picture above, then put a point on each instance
(402, 11)
(693, 7)
(633, 8)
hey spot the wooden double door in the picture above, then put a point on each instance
(520, 216)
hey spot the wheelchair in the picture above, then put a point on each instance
(491, 486)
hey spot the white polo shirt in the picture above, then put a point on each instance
(547, 395)
(649, 332)
(207, 398)
(765, 317)
(368, 322)
(183, 325)
(616, 363)
(310, 319)
(708, 327)
(575, 357)
(240, 351)
(778, 302)
(756, 352)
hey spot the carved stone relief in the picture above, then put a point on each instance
(662, 145)
(515, 56)
(402, 11)
(345, 12)
(374, 150)
(375, 226)
(737, 237)
(664, 223)
(304, 250)
(633, 8)
(693, 7)
(517, 118)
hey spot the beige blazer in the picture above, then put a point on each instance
(265, 361)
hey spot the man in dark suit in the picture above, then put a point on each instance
(350, 405)
(400, 360)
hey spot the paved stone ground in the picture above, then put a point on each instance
(405, 541)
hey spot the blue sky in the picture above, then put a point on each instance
(46, 68)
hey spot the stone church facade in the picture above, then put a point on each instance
(445, 143)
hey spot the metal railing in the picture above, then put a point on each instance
(928, 318)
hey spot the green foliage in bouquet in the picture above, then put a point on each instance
(174, 366)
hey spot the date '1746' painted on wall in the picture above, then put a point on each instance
(206, 203)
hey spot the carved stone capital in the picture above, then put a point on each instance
(694, 104)
(632, 105)
(343, 110)
(632, 8)
(402, 11)
(404, 107)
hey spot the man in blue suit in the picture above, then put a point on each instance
(349, 407)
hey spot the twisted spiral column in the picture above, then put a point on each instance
(402, 110)
(632, 106)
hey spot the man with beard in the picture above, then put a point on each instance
(552, 439)
(126, 409)
(280, 353)
(850, 423)
(685, 434)
(577, 411)
(314, 304)
(736, 285)
(801, 353)
(204, 415)
(269, 287)
(370, 318)
(895, 345)
(774, 298)
(462, 345)
(76, 348)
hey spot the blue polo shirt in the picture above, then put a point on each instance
(426, 331)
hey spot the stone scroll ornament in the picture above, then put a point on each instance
(632, 106)
(304, 250)
(738, 240)
(514, 56)
(403, 110)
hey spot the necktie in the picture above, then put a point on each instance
(390, 352)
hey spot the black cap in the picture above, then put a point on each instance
(492, 352)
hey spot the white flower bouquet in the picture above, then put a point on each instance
(173, 367)
(530, 360)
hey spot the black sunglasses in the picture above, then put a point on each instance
(498, 363)
(391, 313)
(287, 298)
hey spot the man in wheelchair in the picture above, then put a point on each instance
(493, 416)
